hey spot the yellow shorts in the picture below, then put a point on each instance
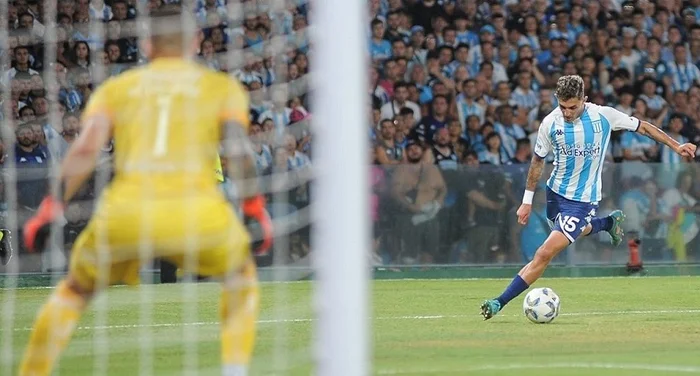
(202, 235)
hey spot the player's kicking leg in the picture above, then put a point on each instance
(239, 312)
(565, 232)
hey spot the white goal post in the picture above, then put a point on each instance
(341, 239)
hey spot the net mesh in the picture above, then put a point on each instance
(72, 46)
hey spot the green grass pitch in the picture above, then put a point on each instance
(610, 326)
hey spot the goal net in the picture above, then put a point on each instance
(54, 54)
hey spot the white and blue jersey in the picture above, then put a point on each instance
(579, 149)
(509, 137)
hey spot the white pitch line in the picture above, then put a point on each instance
(466, 279)
(512, 367)
(387, 318)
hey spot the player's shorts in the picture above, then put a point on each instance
(201, 235)
(567, 216)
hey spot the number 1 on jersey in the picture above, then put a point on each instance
(161, 144)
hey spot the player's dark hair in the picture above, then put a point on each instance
(569, 87)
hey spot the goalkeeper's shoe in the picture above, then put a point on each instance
(5, 247)
(490, 308)
(616, 232)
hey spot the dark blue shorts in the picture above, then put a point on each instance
(567, 216)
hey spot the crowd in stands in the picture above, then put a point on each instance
(461, 86)
(457, 89)
(51, 67)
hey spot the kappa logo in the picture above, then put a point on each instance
(559, 132)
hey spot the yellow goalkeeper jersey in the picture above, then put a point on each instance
(167, 131)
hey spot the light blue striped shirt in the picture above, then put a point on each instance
(683, 76)
(509, 137)
(654, 103)
(527, 99)
(579, 149)
(465, 109)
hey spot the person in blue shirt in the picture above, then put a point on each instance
(32, 167)
(379, 48)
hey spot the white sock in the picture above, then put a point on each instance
(235, 370)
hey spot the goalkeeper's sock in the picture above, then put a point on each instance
(52, 330)
(516, 287)
(601, 224)
(239, 312)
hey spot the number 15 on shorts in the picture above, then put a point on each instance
(570, 226)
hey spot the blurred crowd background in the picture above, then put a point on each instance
(456, 91)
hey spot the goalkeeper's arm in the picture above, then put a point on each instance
(239, 153)
(241, 168)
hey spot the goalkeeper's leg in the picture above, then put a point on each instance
(239, 312)
(53, 327)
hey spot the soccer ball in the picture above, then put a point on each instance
(541, 305)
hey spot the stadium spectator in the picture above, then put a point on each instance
(419, 191)
(31, 159)
(436, 64)
(393, 108)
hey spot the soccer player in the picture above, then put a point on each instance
(167, 120)
(577, 133)
(168, 271)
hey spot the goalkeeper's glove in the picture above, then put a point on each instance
(38, 227)
(254, 211)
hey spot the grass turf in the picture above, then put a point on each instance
(611, 326)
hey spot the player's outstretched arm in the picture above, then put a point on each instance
(650, 130)
(533, 177)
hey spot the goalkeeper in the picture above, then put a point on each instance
(168, 271)
(162, 192)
